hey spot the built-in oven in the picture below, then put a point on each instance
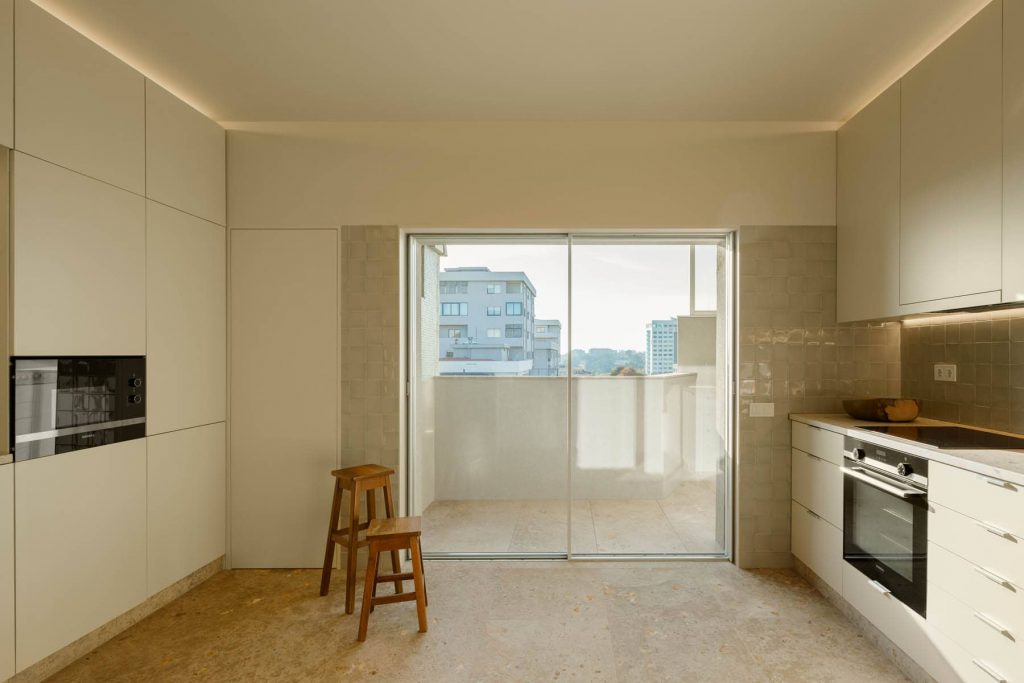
(885, 519)
(59, 405)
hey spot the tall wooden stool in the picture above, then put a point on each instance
(402, 533)
(357, 481)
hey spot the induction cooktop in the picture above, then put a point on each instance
(951, 437)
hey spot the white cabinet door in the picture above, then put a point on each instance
(1013, 150)
(868, 211)
(185, 320)
(6, 571)
(951, 170)
(80, 544)
(284, 397)
(7, 74)
(75, 103)
(184, 156)
(818, 486)
(186, 509)
(79, 264)
(819, 545)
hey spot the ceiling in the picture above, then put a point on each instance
(480, 60)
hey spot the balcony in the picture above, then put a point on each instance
(492, 475)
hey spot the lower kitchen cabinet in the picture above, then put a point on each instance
(80, 544)
(6, 571)
(818, 486)
(819, 545)
(186, 502)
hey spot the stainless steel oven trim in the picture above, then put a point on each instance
(877, 482)
(80, 429)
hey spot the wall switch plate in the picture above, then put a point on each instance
(762, 410)
(945, 372)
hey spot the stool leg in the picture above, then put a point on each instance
(371, 505)
(426, 601)
(417, 578)
(371, 581)
(353, 551)
(325, 579)
(376, 571)
(389, 510)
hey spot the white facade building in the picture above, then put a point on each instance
(661, 347)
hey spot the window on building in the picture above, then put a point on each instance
(494, 332)
(514, 287)
(454, 309)
(454, 287)
(494, 310)
(541, 329)
(513, 331)
(514, 308)
(494, 289)
(454, 333)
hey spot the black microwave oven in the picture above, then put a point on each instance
(65, 404)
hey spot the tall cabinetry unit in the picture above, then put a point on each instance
(1013, 151)
(119, 248)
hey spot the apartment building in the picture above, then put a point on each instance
(486, 322)
(661, 347)
(547, 347)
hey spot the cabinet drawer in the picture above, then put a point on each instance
(981, 497)
(820, 442)
(819, 545)
(902, 625)
(978, 588)
(977, 634)
(968, 538)
(818, 486)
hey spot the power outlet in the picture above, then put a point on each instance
(762, 410)
(945, 372)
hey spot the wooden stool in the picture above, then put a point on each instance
(357, 480)
(402, 533)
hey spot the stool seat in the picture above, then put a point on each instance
(361, 472)
(396, 527)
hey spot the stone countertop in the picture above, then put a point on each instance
(1007, 465)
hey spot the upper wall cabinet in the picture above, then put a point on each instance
(868, 211)
(76, 104)
(79, 264)
(185, 304)
(184, 156)
(7, 73)
(1013, 150)
(951, 171)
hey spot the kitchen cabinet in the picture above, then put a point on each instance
(821, 443)
(818, 544)
(817, 506)
(186, 499)
(818, 486)
(185, 320)
(80, 544)
(951, 171)
(6, 571)
(79, 264)
(868, 211)
(1013, 150)
(77, 105)
(7, 74)
(184, 156)
(284, 397)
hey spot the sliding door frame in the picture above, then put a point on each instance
(411, 275)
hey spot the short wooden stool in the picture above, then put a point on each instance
(357, 481)
(383, 535)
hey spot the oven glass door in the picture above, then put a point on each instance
(885, 535)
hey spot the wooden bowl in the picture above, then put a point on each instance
(883, 409)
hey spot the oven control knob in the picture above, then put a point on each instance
(135, 398)
(135, 382)
(904, 469)
(857, 453)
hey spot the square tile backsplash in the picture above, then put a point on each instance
(988, 350)
(793, 353)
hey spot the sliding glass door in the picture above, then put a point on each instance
(569, 395)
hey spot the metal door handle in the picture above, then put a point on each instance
(861, 475)
(989, 670)
(995, 578)
(994, 625)
(997, 482)
(993, 529)
(879, 587)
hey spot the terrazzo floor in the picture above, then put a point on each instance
(501, 621)
(684, 522)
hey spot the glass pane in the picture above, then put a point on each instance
(705, 277)
(490, 415)
(649, 401)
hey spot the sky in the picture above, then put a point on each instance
(617, 288)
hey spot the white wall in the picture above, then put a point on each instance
(531, 174)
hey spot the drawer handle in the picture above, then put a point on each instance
(813, 514)
(993, 529)
(995, 578)
(879, 587)
(994, 625)
(989, 670)
(997, 482)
